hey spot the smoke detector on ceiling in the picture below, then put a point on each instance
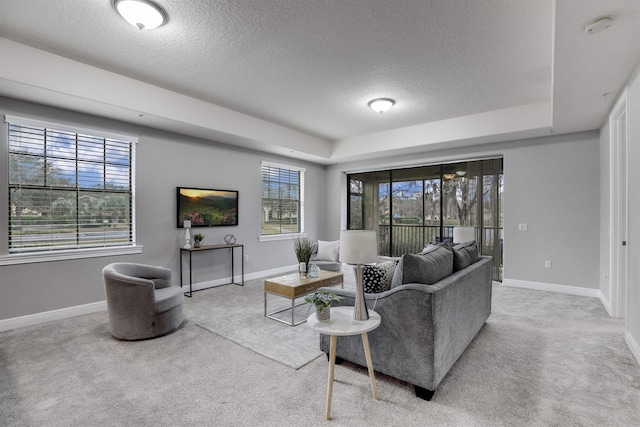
(598, 24)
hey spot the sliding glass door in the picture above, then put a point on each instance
(410, 208)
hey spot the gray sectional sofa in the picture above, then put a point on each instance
(430, 314)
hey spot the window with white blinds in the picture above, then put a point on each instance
(69, 188)
(282, 199)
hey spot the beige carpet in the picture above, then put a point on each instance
(542, 359)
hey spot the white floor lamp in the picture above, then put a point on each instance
(359, 247)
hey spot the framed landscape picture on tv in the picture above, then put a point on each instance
(207, 207)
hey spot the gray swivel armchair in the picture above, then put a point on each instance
(141, 301)
(328, 265)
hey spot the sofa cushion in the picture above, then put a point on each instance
(377, 278)
(434, 263)
(464, 254)
(328, 251)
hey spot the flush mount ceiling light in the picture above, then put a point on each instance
(143, 14)
(381, 105)
(598, 24)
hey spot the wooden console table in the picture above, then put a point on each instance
(210, 248)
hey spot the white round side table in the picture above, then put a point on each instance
(343, 324)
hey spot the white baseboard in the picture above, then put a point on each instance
(605, 302)
(563, 289)
(48, 316)
(78, 310)
(237, 279)
(633, 345)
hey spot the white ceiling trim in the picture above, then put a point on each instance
(107, 89)
(71, 84)
(530, 120)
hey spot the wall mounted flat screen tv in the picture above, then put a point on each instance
(207, 207)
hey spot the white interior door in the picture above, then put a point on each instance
(619, 211)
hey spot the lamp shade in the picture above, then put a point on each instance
(358, 246)
(463, 234)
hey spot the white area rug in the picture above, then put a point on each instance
(237, 314)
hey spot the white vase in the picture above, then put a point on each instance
(324, 315)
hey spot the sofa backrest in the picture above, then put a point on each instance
(434, 263)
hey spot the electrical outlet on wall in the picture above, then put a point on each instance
(547, 264)
(246, 257)
(522, 227)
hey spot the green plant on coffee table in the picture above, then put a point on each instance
(303, 249)
(321, 299)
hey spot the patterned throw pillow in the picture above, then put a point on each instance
(377, 278)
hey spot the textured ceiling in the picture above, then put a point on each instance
(312, 66)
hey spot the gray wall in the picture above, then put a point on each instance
(551, 184)
(164, 161)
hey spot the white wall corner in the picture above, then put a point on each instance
(549, 287)
(633, 346)
(605, 302)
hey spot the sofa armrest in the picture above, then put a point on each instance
(405, 333)
(461, 307)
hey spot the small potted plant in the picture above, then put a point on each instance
(197, 238)
(322, 300)
(303, 249)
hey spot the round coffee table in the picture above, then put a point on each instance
(343, 324)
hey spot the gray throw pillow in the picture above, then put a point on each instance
(377, 278)
(464, 254)
(429, 266)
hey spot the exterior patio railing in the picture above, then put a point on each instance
(409, 238)
(413, 238)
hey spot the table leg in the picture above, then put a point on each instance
(332, 365)
(367, 355)
(190, 278)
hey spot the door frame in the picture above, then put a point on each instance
(619, 218)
